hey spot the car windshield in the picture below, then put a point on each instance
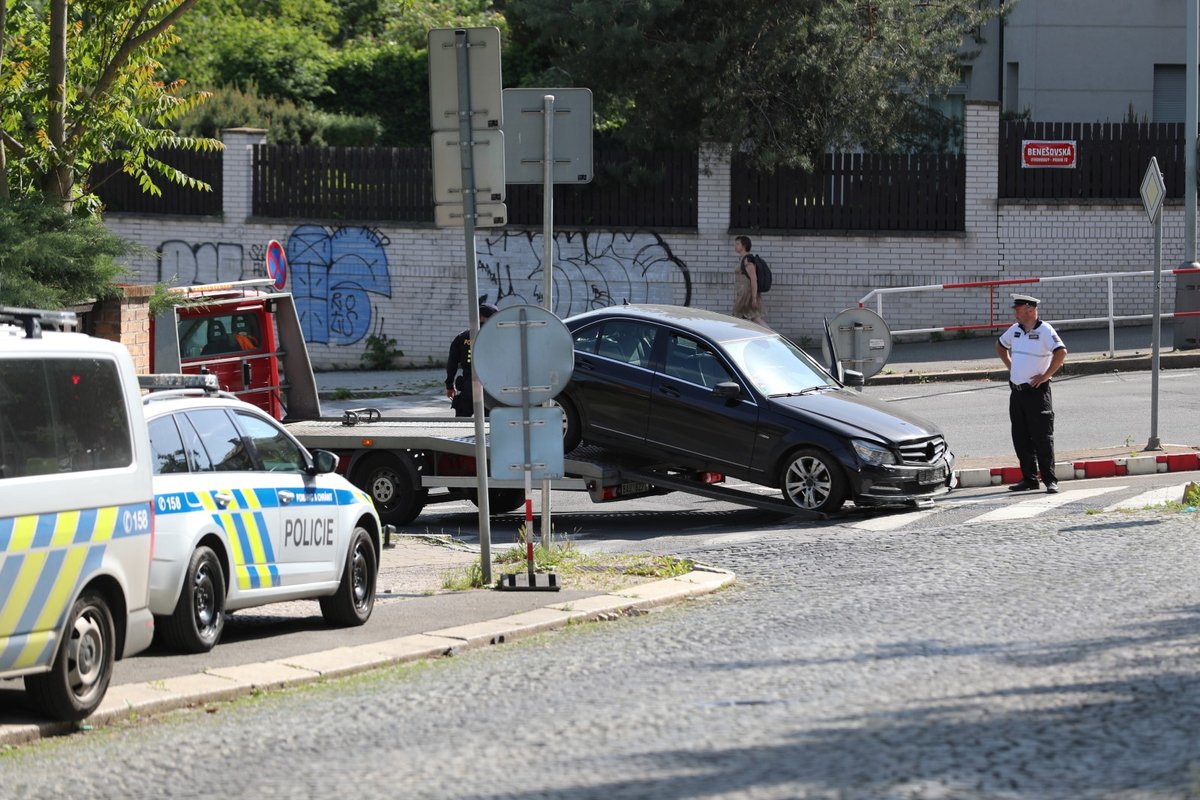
(776, 366)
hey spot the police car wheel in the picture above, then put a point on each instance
(393, 487)
(355, 597)
(199, 616)
(813, 480)
(83, 667)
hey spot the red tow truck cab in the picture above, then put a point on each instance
(248, 337)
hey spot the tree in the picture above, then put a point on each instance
(78, 87)
(50, 258)
(783, 80)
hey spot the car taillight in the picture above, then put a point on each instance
(710, 477)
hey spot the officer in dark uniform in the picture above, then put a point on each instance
(458, 387)
(1033, 352)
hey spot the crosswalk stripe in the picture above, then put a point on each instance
(1153, 497)
(891, 522)
(1042, 504)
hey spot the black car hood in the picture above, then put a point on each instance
(854, 414)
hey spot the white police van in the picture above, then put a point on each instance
(76, 521)
(246, 516)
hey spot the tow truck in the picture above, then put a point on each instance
(249, 336)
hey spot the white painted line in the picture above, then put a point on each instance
(890, 522)
(1041, 504)
(1154, 497)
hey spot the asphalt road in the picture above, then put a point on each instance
(1002, 656)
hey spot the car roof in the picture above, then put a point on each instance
(159, 403)
(715, 326)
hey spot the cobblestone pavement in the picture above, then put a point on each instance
(1051, 658)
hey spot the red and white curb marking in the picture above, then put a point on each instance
(1097, 468)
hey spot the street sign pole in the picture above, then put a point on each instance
(1153, 191)
(547, 262)
(465, 137)
(1156, 337)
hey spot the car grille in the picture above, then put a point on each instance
(923, 451)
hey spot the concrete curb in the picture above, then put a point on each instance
(1173, 360)
(215, 685)
(1090, 468)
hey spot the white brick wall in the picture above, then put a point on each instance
(409, 283)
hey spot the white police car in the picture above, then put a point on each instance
(245, 516)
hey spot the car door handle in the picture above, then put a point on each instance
(582, 364)
(285, 497)
(669, 391)
(223, 499)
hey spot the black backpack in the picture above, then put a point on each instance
(761, 271)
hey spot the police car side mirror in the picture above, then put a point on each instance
(323, 462)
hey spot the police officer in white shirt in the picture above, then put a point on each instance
(1032, 351)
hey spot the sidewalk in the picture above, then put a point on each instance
(412, 567)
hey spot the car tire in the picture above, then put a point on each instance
(392, 484)
(199, 617)
(812, 479)
(83, 666)
(572, 431)
(500, 501)
(355, 598)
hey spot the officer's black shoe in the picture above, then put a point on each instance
(1022, 486)
(1051, 488)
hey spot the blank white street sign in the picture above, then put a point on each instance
(487, 107)
(525, 135)
(489, 167)
(488, 215)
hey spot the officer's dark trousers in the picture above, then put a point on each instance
(1031, 412)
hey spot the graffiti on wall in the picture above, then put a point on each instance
(333, 273)
(185, 264)
(591, 270)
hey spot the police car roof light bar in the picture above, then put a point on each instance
(34, 320)
(176, 381)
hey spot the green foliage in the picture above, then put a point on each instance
(113, 107)
(285, 61)
(381, 352)
(784, 82)
(51, 259)
(285, 121)
(389, 81)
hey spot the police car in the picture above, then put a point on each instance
(76, 525)
(246, 516)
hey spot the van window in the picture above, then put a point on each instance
(62, 415)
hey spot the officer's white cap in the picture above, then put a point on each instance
(1024, 300)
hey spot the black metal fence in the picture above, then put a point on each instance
(1111, 159)
(122, 193)
(853, 192)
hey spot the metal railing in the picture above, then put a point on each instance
(991, 324)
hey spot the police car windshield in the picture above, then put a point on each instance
(777, 367)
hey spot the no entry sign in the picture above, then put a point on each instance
(1043, 153)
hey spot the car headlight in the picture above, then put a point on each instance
(872, 454)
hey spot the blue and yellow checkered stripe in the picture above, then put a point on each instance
(245, 526)
(43, 560)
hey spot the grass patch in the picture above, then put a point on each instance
(598, 570)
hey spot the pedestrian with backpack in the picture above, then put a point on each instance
(752, 278)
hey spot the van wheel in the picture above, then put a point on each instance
(199, 616)
(811, 479)
(83, 667)
(355, 596)
(392, 485)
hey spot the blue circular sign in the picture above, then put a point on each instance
(277, 264)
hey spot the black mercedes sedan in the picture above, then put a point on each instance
(693, 389)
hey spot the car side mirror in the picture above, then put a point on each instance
(728, 390)
(323, 462)
(854, 378)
